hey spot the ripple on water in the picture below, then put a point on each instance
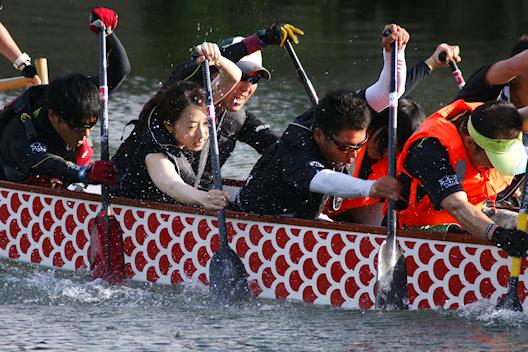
(47, 309)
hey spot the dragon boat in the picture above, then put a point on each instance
(301, 260)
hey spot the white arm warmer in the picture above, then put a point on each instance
(378, 94)
(339, 184)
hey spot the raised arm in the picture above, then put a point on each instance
(274, 35)
(118, 64)
(377, 95)
(423, 69)
(504, 71)
(228, 72)
(21, 61)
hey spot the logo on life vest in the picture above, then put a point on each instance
(25, 117)
(38, 147)
(316, 164)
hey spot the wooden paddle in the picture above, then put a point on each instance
(391, 284)
(106, 243)
(7, 84)
(227, 275)
(19, 82)
(303, 77)
(511, 299)
(454, 69)
(41, 65)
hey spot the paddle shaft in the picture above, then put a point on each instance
(213, 141)
(511, 299)
(393, 128)
(454, 69)
(515, 271)
(303, 77)
(7, 84)
(103, 120)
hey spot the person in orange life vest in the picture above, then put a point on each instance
(461, 156)
(372, 164)
(505, 80)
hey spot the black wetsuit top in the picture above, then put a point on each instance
(280, 181)
(136, 182)
(33, 147)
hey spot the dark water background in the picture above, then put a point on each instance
(46, 310)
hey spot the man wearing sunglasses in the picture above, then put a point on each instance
(43, 130)
(293, 176)
(235, 122)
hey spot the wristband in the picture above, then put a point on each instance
(22, 61)
(82, 174)
(489, 229)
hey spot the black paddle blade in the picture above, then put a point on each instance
(391, 287)
(227, 277)
(510, 300)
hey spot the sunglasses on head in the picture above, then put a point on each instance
(250, 79)
(348, 148)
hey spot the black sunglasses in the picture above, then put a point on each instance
(79, 128)
(250, 79)
(348, 148)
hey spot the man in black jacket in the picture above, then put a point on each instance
(43, 130)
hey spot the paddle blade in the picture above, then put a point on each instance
(510, 300)
(113, 270)
(391, 286)
(227, 277)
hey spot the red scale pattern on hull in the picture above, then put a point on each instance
(283, 261)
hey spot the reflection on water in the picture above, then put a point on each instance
(341, 48)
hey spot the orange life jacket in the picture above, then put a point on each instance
(479, 186)
(378, 170)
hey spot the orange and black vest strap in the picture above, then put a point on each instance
(479, 186)
(378, 170)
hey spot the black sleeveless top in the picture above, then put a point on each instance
(135, 182)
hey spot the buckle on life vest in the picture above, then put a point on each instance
(336, 203)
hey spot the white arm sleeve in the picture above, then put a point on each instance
(339, 184)
(377, 95)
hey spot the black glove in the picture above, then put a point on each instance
(514, 242)
(29, 71)
(278, 33)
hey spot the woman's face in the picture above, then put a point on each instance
(191, 130)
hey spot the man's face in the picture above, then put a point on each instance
(476, 154)
(243, 90)
(340, 149)
(73, 136)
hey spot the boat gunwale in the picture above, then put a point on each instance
(336, 226)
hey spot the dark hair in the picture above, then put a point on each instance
(497, 120)
(73, 98)
(410, 117)
(341, 109)
(520, 45)
(172, 100)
